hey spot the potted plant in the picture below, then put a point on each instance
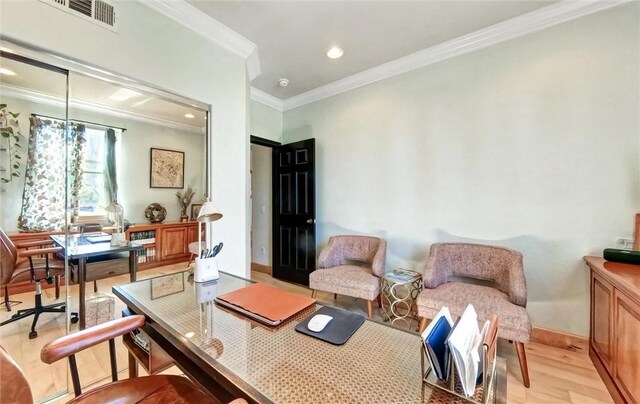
(11, 143)
(185, 199)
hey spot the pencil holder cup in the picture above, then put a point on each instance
(206, 269)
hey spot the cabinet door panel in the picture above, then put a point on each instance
(626, 347)
(601, 317)
(175, 243)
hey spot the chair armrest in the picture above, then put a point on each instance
(378, 264)
(330, 255)
(36, 243)
(40, 251)
(518, 284)
(71, 344)
(434, 274)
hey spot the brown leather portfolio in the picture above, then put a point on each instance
(265, 301)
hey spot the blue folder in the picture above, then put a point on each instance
(438, 348)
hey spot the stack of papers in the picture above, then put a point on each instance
(460, 343)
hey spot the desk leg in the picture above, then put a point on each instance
(133, 366)
(82, 268)
(133, 265)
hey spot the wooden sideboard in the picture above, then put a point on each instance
(171, 244)
(614, 337)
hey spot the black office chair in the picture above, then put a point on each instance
(36, 265)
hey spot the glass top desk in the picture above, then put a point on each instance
(80, 249)
(224, 350)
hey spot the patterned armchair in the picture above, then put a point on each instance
(503, 290)
(351, 266)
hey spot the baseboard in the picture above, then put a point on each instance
(560, 339)
(265, 269)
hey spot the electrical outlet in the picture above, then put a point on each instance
(263, 251)
(624, 243)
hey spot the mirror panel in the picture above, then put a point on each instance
(28, 214)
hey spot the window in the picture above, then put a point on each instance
(93, 191)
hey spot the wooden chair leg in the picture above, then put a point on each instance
(380, 300)
(369, 308)
(95, 286)
(335, 296)
(522, 358)
(314, 293)
(57, 280)
(423, 325)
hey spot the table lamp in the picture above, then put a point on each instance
(206, 268)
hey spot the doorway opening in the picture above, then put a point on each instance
(262, 205)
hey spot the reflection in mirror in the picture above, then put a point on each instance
(32, 206)
(117, 195)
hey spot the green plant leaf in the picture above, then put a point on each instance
(6, 134)
(15, 174)
(5, 180)
(8, 129)
(16, 166)
(2, 106)
(18, 157)
(18, 145)
(15, 115)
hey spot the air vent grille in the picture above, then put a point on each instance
(81, 6)
(105, 13)
(100, 12)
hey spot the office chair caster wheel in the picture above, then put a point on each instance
(33, 334)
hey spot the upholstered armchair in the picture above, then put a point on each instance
(499, 288)
(351, 266)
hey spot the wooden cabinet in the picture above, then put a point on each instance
(175, 243)
(165, 243)
(614, 342)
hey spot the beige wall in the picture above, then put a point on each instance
(154, 49)
(532, 144)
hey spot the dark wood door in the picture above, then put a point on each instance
(294, 211)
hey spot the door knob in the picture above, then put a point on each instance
(309, 221)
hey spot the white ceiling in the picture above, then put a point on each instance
(293, 36)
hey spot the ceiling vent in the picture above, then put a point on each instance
(99, 12)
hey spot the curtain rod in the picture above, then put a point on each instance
(79, 121)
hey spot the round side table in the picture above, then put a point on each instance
(400, 288)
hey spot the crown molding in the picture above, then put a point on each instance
(56, 101)
(542, 18)
(266, 99)
(205, 25)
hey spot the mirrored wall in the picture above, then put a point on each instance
(82, 156)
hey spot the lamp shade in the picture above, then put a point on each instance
(209, 213)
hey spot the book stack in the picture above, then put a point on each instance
(458, 345)
(147, 255)
(144, 237)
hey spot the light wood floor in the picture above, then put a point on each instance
(557, 375)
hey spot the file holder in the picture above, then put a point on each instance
(484, 394)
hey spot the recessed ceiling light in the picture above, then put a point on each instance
(7, 72)
(335, 52)
(190, 116)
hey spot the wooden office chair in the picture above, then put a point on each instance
(35, 265)
(148, 389)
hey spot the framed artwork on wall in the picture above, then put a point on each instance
(167, 169)
(195, 210)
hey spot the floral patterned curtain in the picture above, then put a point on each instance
(43, 198)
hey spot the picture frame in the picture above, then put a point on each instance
(166, 169)
(195, 210)
(166, 285)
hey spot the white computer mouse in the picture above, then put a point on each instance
(318, 322)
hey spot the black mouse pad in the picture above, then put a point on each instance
(337, 331)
